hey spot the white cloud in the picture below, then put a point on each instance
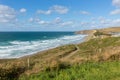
(84, 23)
(54, 9)
(56, 22)
(38, 21)
(68, 23)
(101, 18)
(59, 9)
(115, 12)
(23, 10)
(41, 22)
(103, 21)
(100, 22)
(88, 25)
(7, 14)
(31, 20)
(116, 21)
(44, 12)
(116, 3)
(84, 12)
(109, 22)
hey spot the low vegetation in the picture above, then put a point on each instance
(85, 71)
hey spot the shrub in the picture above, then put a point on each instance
(11, 73)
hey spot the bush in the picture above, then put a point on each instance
(101, 33)
(56, 66)
(11, 73)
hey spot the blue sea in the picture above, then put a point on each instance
(18, 44)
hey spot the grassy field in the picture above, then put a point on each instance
(96, 59)
(84, 71)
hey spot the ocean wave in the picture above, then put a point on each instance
(22, 48)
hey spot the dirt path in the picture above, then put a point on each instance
(71, 54)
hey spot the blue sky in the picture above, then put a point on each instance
(58, 15)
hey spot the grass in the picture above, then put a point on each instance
(100, 43)
(15, 67)
(84, 71)
(98, 50)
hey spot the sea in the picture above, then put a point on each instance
(18, 44)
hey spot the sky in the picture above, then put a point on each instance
(58, 15)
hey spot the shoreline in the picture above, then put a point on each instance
(84, 39)
(40, 52)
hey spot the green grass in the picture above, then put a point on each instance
(93, 46)
(84, 71)
(100, 43)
